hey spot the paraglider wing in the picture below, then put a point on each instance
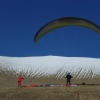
(65, 22)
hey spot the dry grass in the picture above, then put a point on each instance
(51, 93)
(10, 91)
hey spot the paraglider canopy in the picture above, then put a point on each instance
(67, 21)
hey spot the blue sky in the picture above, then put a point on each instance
(21, 19)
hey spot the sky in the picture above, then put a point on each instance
(21, 19)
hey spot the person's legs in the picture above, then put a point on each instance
(19, 83)
(69, 82)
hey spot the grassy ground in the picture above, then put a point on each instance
(51, 93)
(10, 91)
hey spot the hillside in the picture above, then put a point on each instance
(80, 67)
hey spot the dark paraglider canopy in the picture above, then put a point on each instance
(67, 21)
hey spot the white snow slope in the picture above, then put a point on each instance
(81, 67)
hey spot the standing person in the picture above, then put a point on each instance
(20, 78)
(68, 76)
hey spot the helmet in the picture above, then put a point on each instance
(68, 73)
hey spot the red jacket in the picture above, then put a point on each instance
(20, 78)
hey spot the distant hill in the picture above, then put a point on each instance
(79, 67)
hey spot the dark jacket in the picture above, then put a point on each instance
(68, 76)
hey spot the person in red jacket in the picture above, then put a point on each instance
(20, 78)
